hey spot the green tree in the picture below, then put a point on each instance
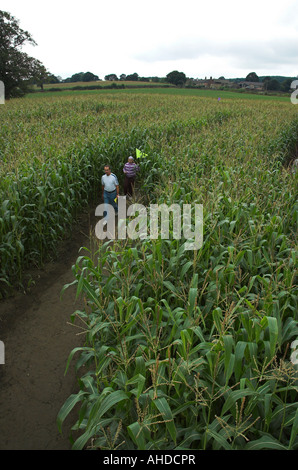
(89, 77)
(53, 79)
(176, 78)
(266, 80)
(77, 77)
(17, 68)
(40, 75)
(286, 84)
(134, 77)
(273, 85)
(111, 77)
(252, 77)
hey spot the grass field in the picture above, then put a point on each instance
(184, 350)
(102, 83)
(149, 87)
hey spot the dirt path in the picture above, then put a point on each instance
(38, 339)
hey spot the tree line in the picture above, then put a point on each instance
(180, 79)
(175, 78)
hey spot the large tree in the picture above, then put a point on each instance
(252, 77)
(16, 67)
(90, 77)
(176, 78)
(111, 77)
(134, 77)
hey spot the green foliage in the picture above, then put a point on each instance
(252, 77)
(274, 85)
(82, 77)
(169, 368)
(134, 77)
(176, 78)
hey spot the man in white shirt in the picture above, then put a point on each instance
(110, 189)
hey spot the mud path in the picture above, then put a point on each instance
(38, 338)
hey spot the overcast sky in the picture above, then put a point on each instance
(227, 38)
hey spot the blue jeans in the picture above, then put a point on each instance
(109, 198)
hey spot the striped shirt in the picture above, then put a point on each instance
(109, 182)
(130, 169)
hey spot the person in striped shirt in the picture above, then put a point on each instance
(130, 170)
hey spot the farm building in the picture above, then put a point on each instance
(258, 86)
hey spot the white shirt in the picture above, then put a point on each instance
(109, 182)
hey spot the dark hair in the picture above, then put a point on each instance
(107, 166)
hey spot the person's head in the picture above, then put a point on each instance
(130, 159)
(107, 169)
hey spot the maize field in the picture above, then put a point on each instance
(184, 350)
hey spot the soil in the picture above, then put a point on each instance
(36, 330)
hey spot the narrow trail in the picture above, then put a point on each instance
(38, 338)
